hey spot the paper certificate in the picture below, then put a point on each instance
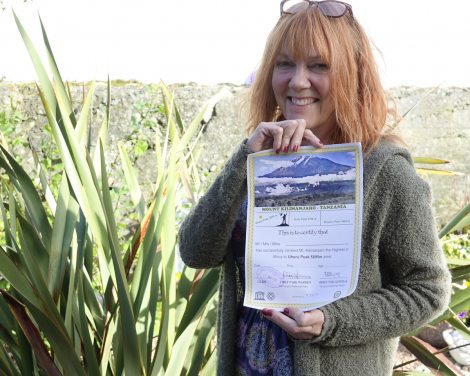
(303, 242)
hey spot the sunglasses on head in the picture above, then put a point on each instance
(331, 8)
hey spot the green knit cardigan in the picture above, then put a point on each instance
(403, 281)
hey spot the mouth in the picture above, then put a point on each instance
(303, 101)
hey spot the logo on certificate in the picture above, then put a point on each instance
(259, 295)
(271, 296)
(337, 294)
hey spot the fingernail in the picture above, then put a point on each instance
(286, 149)
(286, 311)
(321, 143)
(277, 151)
(296, 147)
(269, 313)
(264, 311)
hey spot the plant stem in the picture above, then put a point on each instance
(445, 349)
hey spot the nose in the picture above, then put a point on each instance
(299, 80)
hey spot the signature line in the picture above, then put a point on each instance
(312, 245)
(334, 277)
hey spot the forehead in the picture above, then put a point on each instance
(294, 53)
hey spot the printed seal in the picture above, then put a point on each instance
(269, 277)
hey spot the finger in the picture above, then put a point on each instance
(289, 325)
(276, 133)
(285, 322)
(308, 317)
(314, 140)
(289, 127)
(278, 139)
(300, 317)
(296, 139)
(312, 320)
(264, 136)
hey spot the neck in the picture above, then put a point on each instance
(324, 134)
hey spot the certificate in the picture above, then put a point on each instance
(304, 220)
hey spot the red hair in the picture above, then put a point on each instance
(361, 102)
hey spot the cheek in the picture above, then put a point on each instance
(279, 84)
(276, 87)
(324, 86)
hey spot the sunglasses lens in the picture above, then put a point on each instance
(294, 6)
(332, 9)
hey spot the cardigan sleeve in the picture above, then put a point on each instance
(418, 286)
(205, 232)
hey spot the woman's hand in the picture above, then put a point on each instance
(282, 135)
(300, 325)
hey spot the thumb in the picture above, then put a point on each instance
(295, 313)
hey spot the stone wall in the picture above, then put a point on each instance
(222, 128)
(438, 127)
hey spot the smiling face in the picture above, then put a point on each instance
(302, 91)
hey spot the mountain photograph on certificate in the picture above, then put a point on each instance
(305, 179)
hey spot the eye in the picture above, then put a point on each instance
(318, 66)
(283, 64)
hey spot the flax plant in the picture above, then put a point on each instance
(52, 321)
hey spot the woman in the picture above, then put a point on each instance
(318, 84)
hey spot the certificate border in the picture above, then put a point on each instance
(356, 147)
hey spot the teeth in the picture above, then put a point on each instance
(303, 102)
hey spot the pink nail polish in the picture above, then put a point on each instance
(286, 149)
(277, 151)
(286, 311)
(321, 143)
(296, 147)
(269, 313)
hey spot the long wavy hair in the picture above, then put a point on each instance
(361, 103)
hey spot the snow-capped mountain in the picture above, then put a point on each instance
(307, 166)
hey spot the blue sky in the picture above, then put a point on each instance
(265, 165)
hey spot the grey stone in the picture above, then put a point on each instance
(433, 335)
(438, 128)
(146, 166)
